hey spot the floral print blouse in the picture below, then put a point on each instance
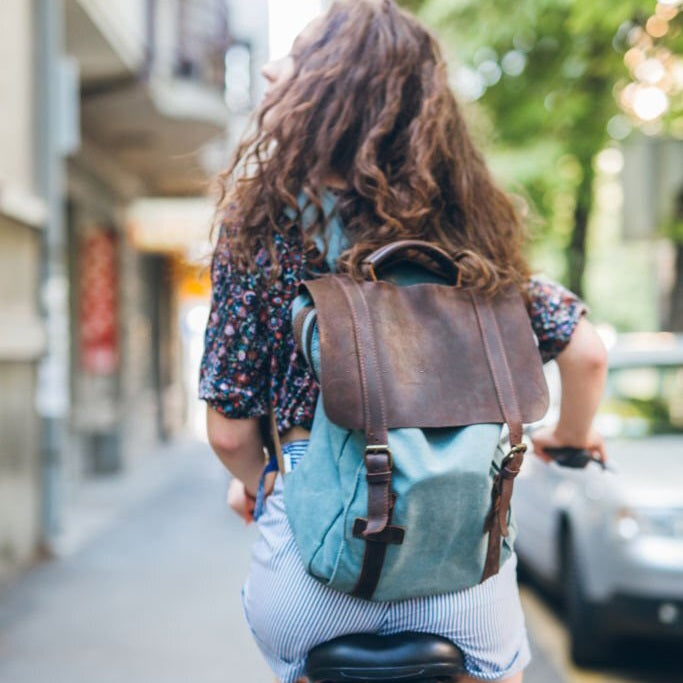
(250, 361)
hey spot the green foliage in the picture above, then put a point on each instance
(552, 68)
(569, 63)
(674, 230)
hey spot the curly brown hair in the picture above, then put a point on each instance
(369, 102)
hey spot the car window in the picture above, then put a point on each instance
(640, 401)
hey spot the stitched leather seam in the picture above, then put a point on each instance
(361, 363)
(375, 358)
(378, 377)
(488, 356)
(515, 400)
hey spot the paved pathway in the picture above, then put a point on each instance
(152, 596)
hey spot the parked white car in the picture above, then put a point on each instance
(612, 541)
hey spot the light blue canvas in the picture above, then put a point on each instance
(443, 486)
(442, 479)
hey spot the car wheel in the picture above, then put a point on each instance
(589, 647)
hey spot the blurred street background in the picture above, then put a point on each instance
(119, 560)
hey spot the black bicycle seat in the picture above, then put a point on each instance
(405, 657)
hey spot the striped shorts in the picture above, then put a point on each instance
(289, 612)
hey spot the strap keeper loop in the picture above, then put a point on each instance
(378, 477)
(379, 449)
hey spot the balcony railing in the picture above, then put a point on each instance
(165, 39)
(155, 118)
(203, 40)
(188, 39)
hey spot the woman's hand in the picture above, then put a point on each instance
(549, 437)
(240, 501)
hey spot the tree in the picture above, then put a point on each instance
(547, 73)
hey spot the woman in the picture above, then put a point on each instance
(359, 121)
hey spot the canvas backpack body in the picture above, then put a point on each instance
(405, 490)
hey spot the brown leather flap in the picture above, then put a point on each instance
(431, 355)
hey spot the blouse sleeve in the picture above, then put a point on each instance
(555, 312)
(233, 376)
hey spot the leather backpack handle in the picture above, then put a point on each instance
(428, 255)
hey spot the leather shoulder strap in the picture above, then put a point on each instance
(501, 493)
(496, 356)
(374, 401)
(376, 530)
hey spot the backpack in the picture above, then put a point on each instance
(405, 490)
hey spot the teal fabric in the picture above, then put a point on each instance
(333, 235)
(442, 479)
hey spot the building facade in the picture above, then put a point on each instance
(106, 103)
(22, 337)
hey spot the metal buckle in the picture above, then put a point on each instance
(380, 448)
(519, 448)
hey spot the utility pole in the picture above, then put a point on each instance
(53, 375)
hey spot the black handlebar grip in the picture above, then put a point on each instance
(576, 458)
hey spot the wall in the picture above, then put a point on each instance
(22, 337)
(16, 96)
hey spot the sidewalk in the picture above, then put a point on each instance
(101, 501)
(146, 588)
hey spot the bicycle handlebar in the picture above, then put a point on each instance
(576, 458)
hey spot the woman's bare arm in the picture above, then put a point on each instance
(583, 369)
(239, 446)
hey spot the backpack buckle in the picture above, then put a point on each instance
(505, 471)
(378, 449)
(519, 448)
(391, 534)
